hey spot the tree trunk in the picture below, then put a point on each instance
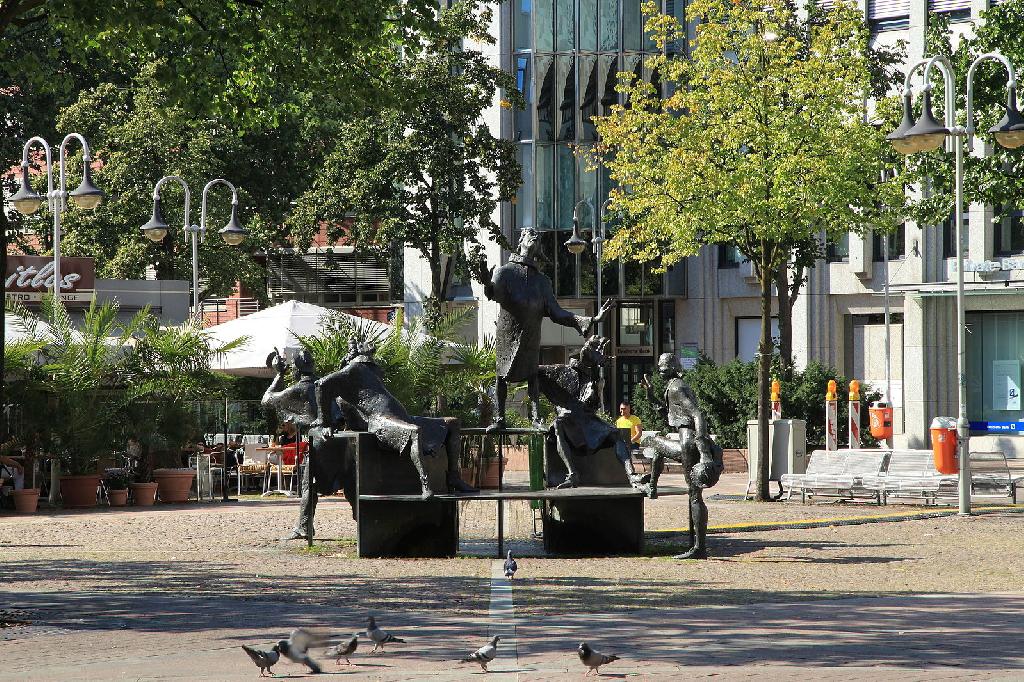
(782, 292)
(764, 380)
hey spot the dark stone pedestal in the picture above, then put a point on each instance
(392, 520)
(611, 524)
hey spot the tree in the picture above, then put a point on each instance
(428, 173)
(761, 144)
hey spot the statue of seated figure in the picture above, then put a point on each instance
(574, 389)
(367, 405)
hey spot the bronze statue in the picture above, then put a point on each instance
(367, 405)
(526, 298)
(323, 469)
(700, 456)
(578, 430)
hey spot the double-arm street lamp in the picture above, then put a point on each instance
(27, 201)
(156, 229)
(927, 134)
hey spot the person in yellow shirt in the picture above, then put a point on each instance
(628, 420)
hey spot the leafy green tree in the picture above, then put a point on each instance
(428, 173)
(761, 143)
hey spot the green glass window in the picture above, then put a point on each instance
(589, 95)
(632, 25)
(608, 69)
(545, 173)
(588, 25)
(565, 86)
(565, 285)
(1008, 237)
(544, 77)
(524, 197)
(995, 347)
(566, 186)
(565, 23)
(544, 25)
(609, 25)
(524, 81)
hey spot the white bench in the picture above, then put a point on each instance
(912, 474)
(839, 474)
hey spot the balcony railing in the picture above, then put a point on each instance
(220, 310)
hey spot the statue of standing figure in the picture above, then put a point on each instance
(700, 456)
(324, 468)
(526, 298)
(574, 390)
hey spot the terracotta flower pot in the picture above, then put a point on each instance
(117, 498)
(468, 474)
(174, 485)
(489, 473)
(79, 492)
(26, 501)
(144, 494)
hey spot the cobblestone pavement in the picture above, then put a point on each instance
(170, 593)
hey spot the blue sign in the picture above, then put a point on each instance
(999, 427)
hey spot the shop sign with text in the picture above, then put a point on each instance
(28, 278)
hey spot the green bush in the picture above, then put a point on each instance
(728, 395)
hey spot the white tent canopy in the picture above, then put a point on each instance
(274, 327)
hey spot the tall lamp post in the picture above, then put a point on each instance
(156, 229)
(927, 134)
(27, 201)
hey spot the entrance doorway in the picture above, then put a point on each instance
(631, 372)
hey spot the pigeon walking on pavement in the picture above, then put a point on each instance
(343, 650)
(264, 659)
(510, 566)
(296, 649)
(594, 659)
(484, 654)
(378, 636)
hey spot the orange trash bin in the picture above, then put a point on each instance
(944, 441)
(880, 418)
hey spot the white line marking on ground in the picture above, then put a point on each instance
(503, 616)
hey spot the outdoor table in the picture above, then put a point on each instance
(275, 457)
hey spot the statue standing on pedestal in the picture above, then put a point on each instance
(700, 456)
(325, 462)
(358, 389)
(574, 389)
(526, 298)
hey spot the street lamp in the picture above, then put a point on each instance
(27, 201)
(927, 135)
(156, 229)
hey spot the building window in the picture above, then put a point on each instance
(667, 337)
(636, 326)
(995, 346)
(838, 250)
(748, 337)
(948, 227)
(640, 280)
(897, 244)
(729, 256)
(1008, 231)
(330, 279)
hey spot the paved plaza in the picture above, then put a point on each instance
(171, 593)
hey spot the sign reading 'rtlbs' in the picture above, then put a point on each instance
(29, 277)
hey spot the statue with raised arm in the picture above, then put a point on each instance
(367, 405)
(325, 462)
(574, 390)
(700, 456)
(526, 298)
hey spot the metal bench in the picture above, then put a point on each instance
(912, 474)
(838, 474)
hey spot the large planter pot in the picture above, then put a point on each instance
(174, 485)
(79, 492)
(489, 473)
(26, 501)
(144, 494)
(117, 498)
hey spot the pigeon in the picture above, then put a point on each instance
(264, 659)
(379, 637)
(484, 654)
(510, 566)
(343, 650)
(594, 659)
(295, 649)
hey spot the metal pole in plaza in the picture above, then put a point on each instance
(156, 229)
(27, 201)
(928, 135)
